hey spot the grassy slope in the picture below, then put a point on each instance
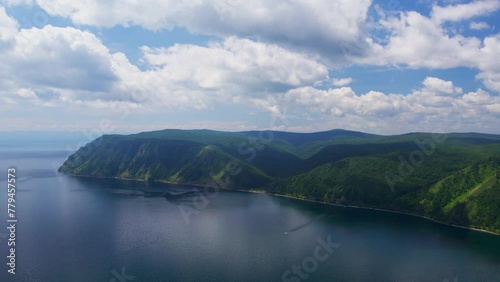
(456, 182)
(468, 197)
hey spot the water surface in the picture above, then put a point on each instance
(79, 229)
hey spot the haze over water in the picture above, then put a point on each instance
(78, 229)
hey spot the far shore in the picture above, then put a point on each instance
(254, 191)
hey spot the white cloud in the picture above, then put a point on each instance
(479, 25)
(342, 102)
(276, 70)
(488, 62)
(439, 86)
(61, 58)
(241, 62)
(8, 28)
(232, 71)
(321, 26)
(342, 81)
(335, 30)
(494, 108)
(54, 65)
(462, 12)
(417, 41)
(437, 106)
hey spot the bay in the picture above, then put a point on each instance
(82, 229)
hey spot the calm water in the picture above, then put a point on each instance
(74, 229)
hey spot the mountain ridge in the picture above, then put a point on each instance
(394, 172)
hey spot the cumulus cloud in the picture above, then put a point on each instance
(54, 64)
(439, 86)
(342, 81)
(270, 55)
(418, 41)
(8, 28)
(65, 58)
(235, 70)
(322, 26)
(51, 65)
(436, 102)
(334, 30)
(488, 62)
(237, 63)
(343, 101)
(466, 11)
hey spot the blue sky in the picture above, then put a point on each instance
(383, 67)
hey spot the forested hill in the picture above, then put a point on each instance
(448, 177)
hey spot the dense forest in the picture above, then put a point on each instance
(451, 178)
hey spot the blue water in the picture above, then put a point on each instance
(78, 229)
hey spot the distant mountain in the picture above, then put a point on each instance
(298, 139)
(452, 178)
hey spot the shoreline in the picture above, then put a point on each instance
(294, 198)
(384, 210)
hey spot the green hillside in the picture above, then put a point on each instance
(155, 159)
(448, 177)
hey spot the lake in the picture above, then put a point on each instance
(81, 229)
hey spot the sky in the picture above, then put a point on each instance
(384, 67)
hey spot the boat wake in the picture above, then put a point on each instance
(306, 224)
